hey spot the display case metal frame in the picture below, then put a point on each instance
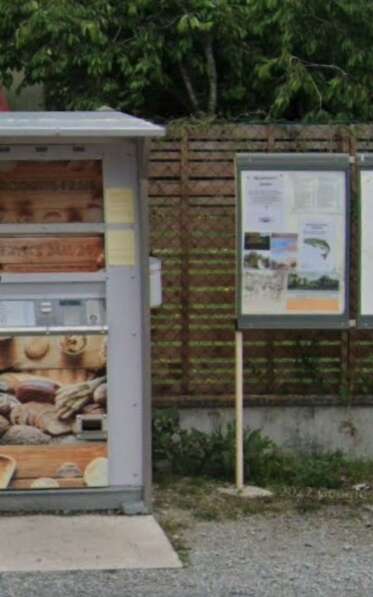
(364, 162)
(291, 162)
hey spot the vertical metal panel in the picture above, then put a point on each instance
(124, 368)
(142, 153)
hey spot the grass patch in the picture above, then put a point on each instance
(199, 499)
(181, 501)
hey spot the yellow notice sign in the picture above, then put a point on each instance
(121, 247)
(119, 206)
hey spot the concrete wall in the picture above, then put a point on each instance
(307, 429)
(29, 99)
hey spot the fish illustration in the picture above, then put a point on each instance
(321, 245)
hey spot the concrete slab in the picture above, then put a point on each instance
(46, 543)
(248, 491)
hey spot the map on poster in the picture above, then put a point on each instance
(292, 256)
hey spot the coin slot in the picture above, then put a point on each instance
(92, 424)
(92, 427)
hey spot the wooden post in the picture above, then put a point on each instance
(346, 145)
(185, 235)
(353, 333)
(239, 411)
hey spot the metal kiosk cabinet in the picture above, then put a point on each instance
(74, 312)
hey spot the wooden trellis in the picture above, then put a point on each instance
(192, 206)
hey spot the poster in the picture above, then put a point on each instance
(292, 242)
(51, 192)
(269, 288)
(50, 387)
(265, 201)
(52, 253)
(53, 399)
(323, 192)
(317, 251)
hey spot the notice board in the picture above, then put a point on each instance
(292, 241)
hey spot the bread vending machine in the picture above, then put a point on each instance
(74, 311)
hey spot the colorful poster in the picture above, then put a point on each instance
(318, 246)
(284, 251)
(293, 242)
(313, 291)
(257, 251)
(53, 408)
(53, 396)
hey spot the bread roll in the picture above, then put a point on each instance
(96, 473)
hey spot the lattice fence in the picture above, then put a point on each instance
(192, 206)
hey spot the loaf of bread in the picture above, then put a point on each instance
(44, 483)
(96, 473)
(39, 390)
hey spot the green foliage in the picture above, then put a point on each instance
(194, 453)
(256, 59)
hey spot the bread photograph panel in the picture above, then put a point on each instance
(53, 412)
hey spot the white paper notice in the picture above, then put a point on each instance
(318, 247)
(318, 192)
(330, 192)
(305, 191)
(264, 201)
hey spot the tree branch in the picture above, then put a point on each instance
(317, 65)
(189, 87)
(212, 75)
(319, 95)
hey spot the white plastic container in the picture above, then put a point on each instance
(155, 269)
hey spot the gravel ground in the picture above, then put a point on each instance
(324, 553)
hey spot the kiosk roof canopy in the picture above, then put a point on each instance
(76, 124)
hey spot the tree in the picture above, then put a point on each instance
(270, 59)
(157, 56)
(319, 63)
